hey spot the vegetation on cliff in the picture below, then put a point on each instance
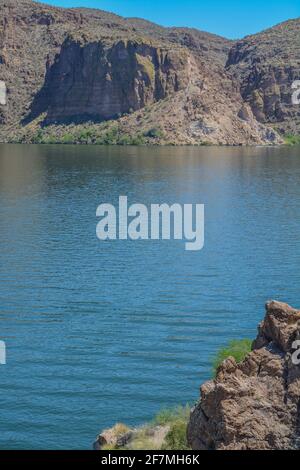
(105, 133)
(238, 349)
(168, 430)
(252, 403)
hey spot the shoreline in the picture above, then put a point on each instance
(250, 403)
(78, 144)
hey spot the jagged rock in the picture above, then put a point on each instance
(254, 404)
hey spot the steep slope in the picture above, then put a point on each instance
(267, 64)
(71, 72)
(90, 80)
(36, 41)
(31, 35)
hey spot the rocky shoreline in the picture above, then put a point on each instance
(249, 405)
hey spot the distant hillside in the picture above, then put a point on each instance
(266, 65)
(88, 76)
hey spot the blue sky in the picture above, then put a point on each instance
(231, 18)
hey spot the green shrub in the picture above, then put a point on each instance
(168, 416)
(176, 437)
(111, 136)
(177, 419)
(85, 136)
(236, 348)
(49, 139)
(67, 139)
(291, 139)
(204, 143)
(138, 140)
(154, 133)
(126, 139)
(38, 137)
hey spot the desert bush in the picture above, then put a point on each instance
(176, 437)
(154, 133)
(291, 139)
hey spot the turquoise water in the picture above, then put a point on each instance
(99, 332)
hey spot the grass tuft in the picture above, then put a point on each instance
(236, 348)
(169, 416)
(177, 419)
(176, 437)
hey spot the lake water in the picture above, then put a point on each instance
(100, 332)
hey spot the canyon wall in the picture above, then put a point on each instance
(91, 81)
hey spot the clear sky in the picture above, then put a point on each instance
(230, 18)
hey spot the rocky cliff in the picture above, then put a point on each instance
(255, 404)
(76, 71)
(266, 65)
(90, 80)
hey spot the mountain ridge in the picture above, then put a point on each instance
(89, 76)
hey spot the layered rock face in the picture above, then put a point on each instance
(255, 404)
(90, 81)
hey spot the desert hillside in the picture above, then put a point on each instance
(88, 76)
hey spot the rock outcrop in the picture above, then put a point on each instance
(266, 66)
(97, 82)
(68, 67)
(255, 404)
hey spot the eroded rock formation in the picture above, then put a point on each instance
(254, 404)
(95, 81)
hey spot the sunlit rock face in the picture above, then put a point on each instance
(93, 81)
